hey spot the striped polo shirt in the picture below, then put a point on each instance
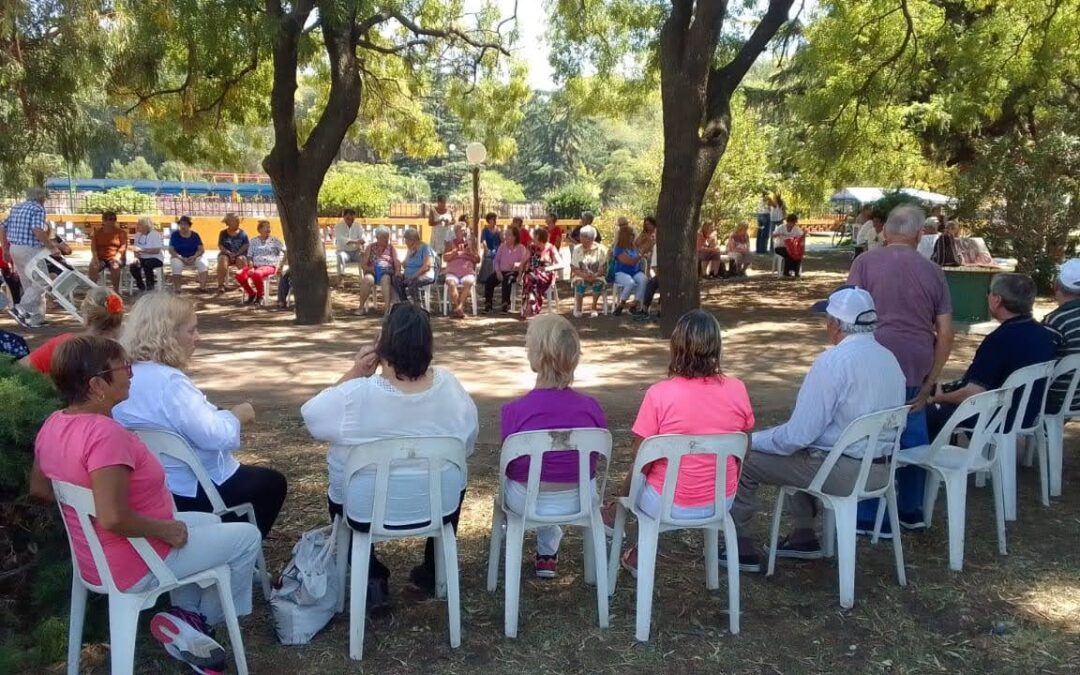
(1064, 322)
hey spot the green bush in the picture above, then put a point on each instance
(120, 200)
(350, 191)
(26, 398)
(571, 199)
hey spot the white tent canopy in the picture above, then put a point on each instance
(868, 195)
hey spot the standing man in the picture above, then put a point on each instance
(232, 249)
(23, 235)
(348, 242)
(915, 323)
(440, 218)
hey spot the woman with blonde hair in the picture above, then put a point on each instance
(148, 254)
(554, 351)
(160, 337)
(102, 313)
(738, 249)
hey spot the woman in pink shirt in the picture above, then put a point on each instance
(83, 445)
(697, 398)
(509, 260)
(460, 259)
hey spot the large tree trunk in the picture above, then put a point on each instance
(298, 208)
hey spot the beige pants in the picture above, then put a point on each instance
(797, 470)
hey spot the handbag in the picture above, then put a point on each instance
(305, 597)
(796, 247)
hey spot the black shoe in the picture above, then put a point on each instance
(750, 561)
(487, 308)
(619, 308)
(423, 578)
(250, 300)
(807, 549)
(378, 597)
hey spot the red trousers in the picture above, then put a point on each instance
(249, 275)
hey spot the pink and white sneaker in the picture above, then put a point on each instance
(186, 637)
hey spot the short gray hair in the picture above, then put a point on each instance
(410, 233)
(36, 194)
(382, 231)
(851, 328)
(588, 217)
(1017, 291)
(906, 220)
(587, 231)
(147, 221)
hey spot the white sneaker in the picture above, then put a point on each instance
(183, 635)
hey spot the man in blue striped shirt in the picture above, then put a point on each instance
(1064, 323)
(24, 234)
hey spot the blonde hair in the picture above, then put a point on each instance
(695, 346)
(150, 331)
(554, 350)
(96, 314)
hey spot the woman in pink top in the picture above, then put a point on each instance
(509, 260)
(460, 259)
(83, 445)
(696, 399)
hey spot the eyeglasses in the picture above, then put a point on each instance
(126, 367)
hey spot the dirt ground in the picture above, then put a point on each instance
(1003, 614)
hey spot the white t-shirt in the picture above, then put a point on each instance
(776, 214)
(783, 232)
(870, 237)
(368, 409)
(344, 233)
(151, 239)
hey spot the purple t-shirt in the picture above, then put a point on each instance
(910, 293)
(551, 409)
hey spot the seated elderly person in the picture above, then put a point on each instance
(856, 377)
(412, 399)
(186, 250)
(588, 267)
(265, 255)
(380, 266)
(1019, 341)
(1063, 323)
(782, 236)
(418, 270)
(554, 351)
(108, 246)
(507, 265)
(232, 249)
(102, 313)
(738, 250)
(461, 259)
(348, 241)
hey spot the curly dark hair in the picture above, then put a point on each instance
(695, 346)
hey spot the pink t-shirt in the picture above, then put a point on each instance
(699, 406)
(461, 266)
(69, 448)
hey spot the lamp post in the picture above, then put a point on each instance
(475, 154)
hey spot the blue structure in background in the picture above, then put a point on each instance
(162, 187)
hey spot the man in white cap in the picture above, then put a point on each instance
(1064, 322)
(856, 377)
(23, 235)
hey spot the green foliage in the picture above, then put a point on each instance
(893, 198)
(136, 169)
(368, 188)
(174, 170)
(26, 398)
(571, 200)
(120, 200)
(744, 170)
(494, 188)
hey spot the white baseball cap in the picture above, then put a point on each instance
(1069, 275)
(850, 304)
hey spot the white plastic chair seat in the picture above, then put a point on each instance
(63, 287)
(124, 607)
(674, 448)
(446, 298)
(534, 444)
(948, 457)
(381, 455)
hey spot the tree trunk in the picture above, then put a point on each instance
(298, 208)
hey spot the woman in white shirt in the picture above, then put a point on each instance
(148, 255)
(407, 398)
(160, 336)
(788, 230)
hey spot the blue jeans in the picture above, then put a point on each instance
(910, 480)
(763, 232)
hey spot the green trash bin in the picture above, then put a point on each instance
(968, 287)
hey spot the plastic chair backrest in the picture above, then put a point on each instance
(870, 430)
(533, 444)
(437, 450)
(1022, 382)
(1068, 367)
(673, 448)
(81, 501)
(170, 444)
(989, 409)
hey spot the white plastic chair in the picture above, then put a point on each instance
(127, 281)
(945, 461)
(63, 287)
(552, 297)
(166, 443)
(841, 510)
(124, 607)
(381, 455)
(674, 448)
(533, 444)
(1033, 378)
(446, 298)
(777, 264)
(1050, 444)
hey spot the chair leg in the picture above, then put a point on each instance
(361, 558)
(930, 493)
(440, 569)
(712, 559)
(515, 541)
(648, 535)
(731, 543)
(232, 623)
(1038, 445)
(1000, 495)
(956, 498)
(75, 623)
(588, 555)
(615, 552)
(495, 543)
(828, 534)
(1007, 462)
(879, 518)
(1055, 438)
(342, 546)
(123, 624)
(453, 593)
(774, 533)
(600, 572)
(845, 549)
(898, 548)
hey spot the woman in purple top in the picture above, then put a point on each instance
(554, 350)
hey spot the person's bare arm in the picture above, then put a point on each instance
(942, 349)
(40, 486)
(960, 395)
(114, 513)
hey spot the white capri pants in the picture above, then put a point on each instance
(211, 543)
(548, 503)
(628, 285)
(177, 265)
